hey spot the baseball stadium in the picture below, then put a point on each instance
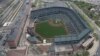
(59, 24)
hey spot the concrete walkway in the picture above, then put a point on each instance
(94, 48)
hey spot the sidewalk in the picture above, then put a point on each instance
(94, 48)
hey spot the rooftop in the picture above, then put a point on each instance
(21, 52)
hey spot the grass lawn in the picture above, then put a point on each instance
(48, 31)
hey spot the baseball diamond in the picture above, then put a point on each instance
(60, 23)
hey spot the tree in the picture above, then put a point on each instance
(83, 53)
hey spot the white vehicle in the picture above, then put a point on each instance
(6, 23)
(27, 35)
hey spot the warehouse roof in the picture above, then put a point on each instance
(15, 30)
(16, 52)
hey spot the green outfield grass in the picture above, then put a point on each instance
(45, 30)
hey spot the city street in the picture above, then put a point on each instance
(26, 22)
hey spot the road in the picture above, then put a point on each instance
(25, 18)
(7, 11)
